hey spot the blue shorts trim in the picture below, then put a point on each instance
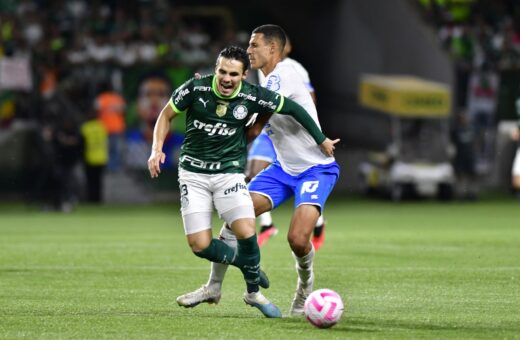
(262, 148)
(312, 186)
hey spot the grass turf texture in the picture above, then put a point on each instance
(411, 270)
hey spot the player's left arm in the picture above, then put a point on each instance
(289, 107)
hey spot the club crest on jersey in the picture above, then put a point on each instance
(221, 108)
(273, 82)
(240, 112)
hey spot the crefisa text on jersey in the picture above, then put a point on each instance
(235, 188)
(219, 128)
(247, 96)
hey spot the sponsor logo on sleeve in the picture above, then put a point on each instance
(270, 105)
(182, 93)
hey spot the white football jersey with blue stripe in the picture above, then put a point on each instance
(296, 150)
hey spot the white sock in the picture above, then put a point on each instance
(265, 219)
(319, 223)
(218, 270)
(304, 267)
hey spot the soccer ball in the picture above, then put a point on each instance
(323, 308)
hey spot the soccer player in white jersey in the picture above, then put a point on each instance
(301, 170)
(261, 154)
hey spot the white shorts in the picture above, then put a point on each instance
(200, 192)
(516, 163)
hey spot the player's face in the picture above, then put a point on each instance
(259, 51)
(229, 72)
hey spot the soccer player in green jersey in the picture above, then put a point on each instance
(218, 108)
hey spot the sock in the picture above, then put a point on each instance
(248, 260)
(320, 221)
(217, 251)
(218, 270)
(304, 267)
(318, 228)
(265, 219)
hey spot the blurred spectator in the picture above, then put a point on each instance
(153, 94)
(462, 50)
(110, 107)
(95, 156)
(67, 145)
(509, 57)
(464, 160)
(482, 98)
(60, 148)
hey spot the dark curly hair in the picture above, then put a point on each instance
(236, 53)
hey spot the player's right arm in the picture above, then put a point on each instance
(179, 102)
(160, 131)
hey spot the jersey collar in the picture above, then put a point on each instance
(215, 90)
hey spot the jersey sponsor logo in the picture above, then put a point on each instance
(181, 95)
(240, 112)
(273, 82)
(202, 88)
(199, 163)
(235, 188)
(217, 129)
(309, 186)
(268, 104)
(203, 102)
(221, 108)
(247, 96)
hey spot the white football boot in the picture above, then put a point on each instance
(203, 294)
(302, 292)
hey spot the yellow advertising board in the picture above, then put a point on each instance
(405, 96)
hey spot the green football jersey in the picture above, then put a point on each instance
(215, 140)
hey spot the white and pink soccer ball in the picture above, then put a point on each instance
(323, 308)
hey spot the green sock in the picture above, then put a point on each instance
(217, 251)
(248, 261)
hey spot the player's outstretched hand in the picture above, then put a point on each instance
(154, 163)
(327, 147)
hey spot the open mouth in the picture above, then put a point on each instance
(226, 86)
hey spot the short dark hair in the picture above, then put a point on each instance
(272, 32)
(236, 53)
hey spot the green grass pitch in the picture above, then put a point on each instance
(410, 270)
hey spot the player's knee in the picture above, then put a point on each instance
(298, 242)
(198, 245)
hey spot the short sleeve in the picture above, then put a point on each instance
(182, 97)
